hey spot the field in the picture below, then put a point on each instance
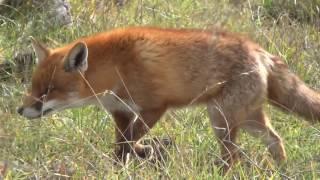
(78, 143)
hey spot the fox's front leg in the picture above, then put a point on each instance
(142, 125)
(123, 133)
(128, 132)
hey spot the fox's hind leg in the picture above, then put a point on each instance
(240, 96)
(225, 129)
(258, 125)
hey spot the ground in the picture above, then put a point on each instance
(78, 143)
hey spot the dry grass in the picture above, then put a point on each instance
(78, 143)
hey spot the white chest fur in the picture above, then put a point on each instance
(113, 103)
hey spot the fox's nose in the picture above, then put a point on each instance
(20, 110)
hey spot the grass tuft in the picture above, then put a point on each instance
(78, 143)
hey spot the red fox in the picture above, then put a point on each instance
(137, 73)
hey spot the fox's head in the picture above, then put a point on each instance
(57, 79)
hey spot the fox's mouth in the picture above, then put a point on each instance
(49, 107)
(45, 112)
(41, 114)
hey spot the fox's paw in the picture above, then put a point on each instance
(122, 154)
(159, 148)
(144, 151)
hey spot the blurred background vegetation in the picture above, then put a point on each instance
(78, 143)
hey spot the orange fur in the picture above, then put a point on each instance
(153, 69)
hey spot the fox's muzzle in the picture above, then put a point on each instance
(34, 111)
(20, 110)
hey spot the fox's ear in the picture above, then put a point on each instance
(77, 58)
(40, 50)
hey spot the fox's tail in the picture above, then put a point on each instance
(288, 92)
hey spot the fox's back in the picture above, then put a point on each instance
(183, 66)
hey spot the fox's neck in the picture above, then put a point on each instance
(104, 65)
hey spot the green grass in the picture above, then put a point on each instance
(80, 141)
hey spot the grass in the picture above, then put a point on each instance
(79, 142)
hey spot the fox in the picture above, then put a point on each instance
(138, 73)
